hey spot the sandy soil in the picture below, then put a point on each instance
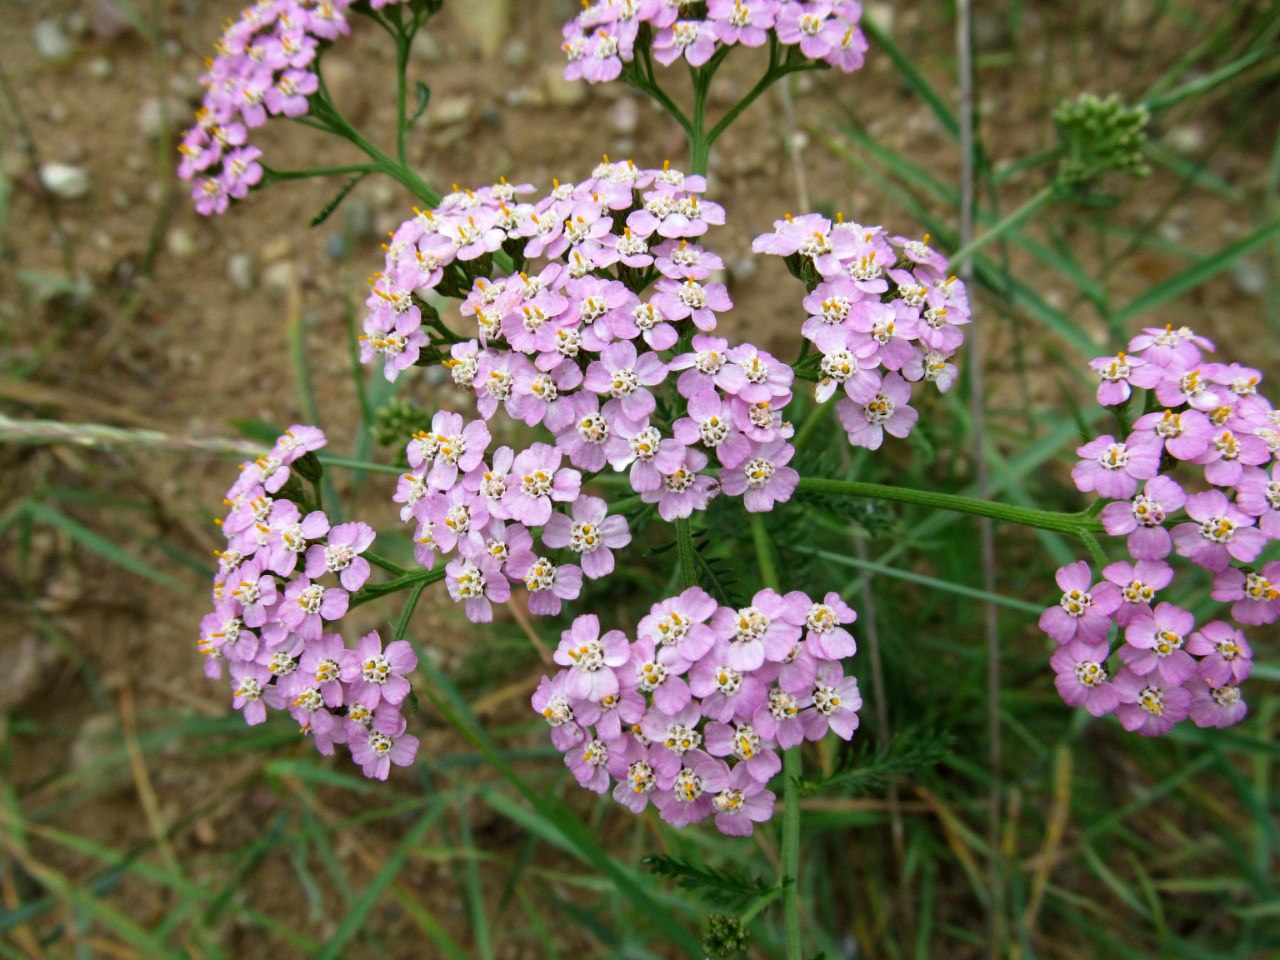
(177, 335)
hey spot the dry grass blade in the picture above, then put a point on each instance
(373, 855)
(142, 781)
(955, 832)
(492, 702)
(1051, 850)
(21, 934)
(103, 436)
(522, 620)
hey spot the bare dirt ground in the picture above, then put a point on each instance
(184, 330)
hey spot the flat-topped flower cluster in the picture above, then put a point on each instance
(691, 715)
(1208, 422)
(611, 348)
(264, 66)
(882, 312)
(602, 36)
(283, 583)
(485, 511)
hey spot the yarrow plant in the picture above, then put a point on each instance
(594, 400)
(283, 584)
(691, 715)
(1206, 422)
(608, 34)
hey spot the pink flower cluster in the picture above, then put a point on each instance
(603, 36)
(691, 714)
(580, 347)
(283, 582)
(883, 314)
(1208, 421)
(485, 511)
(264, 66)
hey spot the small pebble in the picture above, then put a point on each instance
(65, 180)
(426, 48)
(880, 14)
(336, 246)
(1250, 278)
(384, 195)
(743, 268)
(100, 68)
(562, 92)
(278, 277)
(1185, 139)
(154, 115)
(180, 243)
(359, 213)
(449, 110)
(78, 25)
(516, 53)
(240, 271)
(52, 42)
(486, 25)
(624, 116)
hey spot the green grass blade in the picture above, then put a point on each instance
(96, 542)
(915, 79)
(1197, 273)
(351, 923)
(946, 586)
(550, 812)
(472, 885)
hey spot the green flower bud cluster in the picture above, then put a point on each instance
(1100, 136)
(726, 936)
(397, 419)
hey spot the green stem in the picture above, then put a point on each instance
(769, 79)
(687, 552)
(402, 625)
(1095, 549)
(1077, 524)
(271, 174)
(790, 867)
(581, 839)
(1013, 220)
(384, 564)
(815, 419)
(660, 97)
(402, 83)
(360, 465)
(324, 115)
(419, 578)
(699, 143)
(754, 910)
(764, 552)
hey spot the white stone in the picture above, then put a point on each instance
(65, 180)
(561, 92)
(624, 116)
(279, 277)
(154, 114)
(516, 53)
(240, 271)
(181, 243)
(880, 14)
(449, 110)
(1250, 278)
(485, 23)
(52, 42)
